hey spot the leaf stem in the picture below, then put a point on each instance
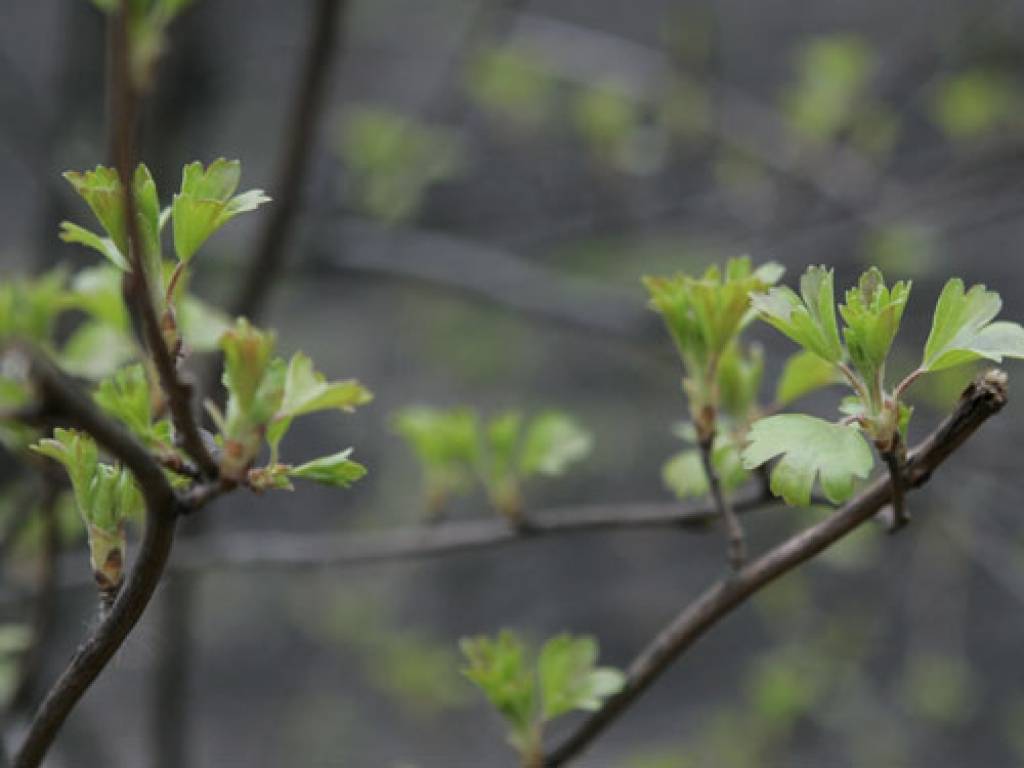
(904, 385)
(737, 543)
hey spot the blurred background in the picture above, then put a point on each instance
(488, 180)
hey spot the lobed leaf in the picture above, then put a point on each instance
(962, 329)
(569, 678)
(204, 203)
(872, 315)
(808, 319)
(809, 447)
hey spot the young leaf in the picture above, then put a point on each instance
(872, 315)
(125, 395)
(739, 380)
(29, 307)
(337, 470)
(803, 373)
(553, 441)
(447, 444)
(498, 667)
(808, 319)
(963, 331)
(684, 474)
(79, 456)
(72, 233)
(502, 441)
(808, 447)
(705, 314)
(101, 189)
(570, 680)
(307, 391)
(205, 203)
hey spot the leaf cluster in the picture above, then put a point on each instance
(457, 447)
(962, 331)
(531, 692)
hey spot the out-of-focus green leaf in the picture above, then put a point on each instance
(552, 442)
(569, 678)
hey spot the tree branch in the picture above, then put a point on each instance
(255, 551)
(61, 399)
(294, 163)
(982, 399)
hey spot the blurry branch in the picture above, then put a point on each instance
(280, 551)
(981, 400)
(44, 602)
(304, 116)
(488, 273)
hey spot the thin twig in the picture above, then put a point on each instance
(734, 531)
(305, 114)
(982, 399)
(281, 551)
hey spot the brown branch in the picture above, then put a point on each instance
(983, 398)
(61, 399)
(894, 464)
(305, 114)
(280, 551)
(734, 531)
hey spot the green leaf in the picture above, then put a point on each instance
(72, 233)
(97, 290)
(96, 349)
(569, 679)
(808, 447)
(126, 396)
(447, 445)
(739, 380)
(803, 373)
(337, 470)
(101, 189)
(247, 352)
(306, 390)
(503, 434)
(201, 324)
(963, 331)
(808, 319)
(704, 315)
(499, 668)
(684, 475)
(29, 307)
(205, 203)
(79, 456)
(872, 314)
(553, 441)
